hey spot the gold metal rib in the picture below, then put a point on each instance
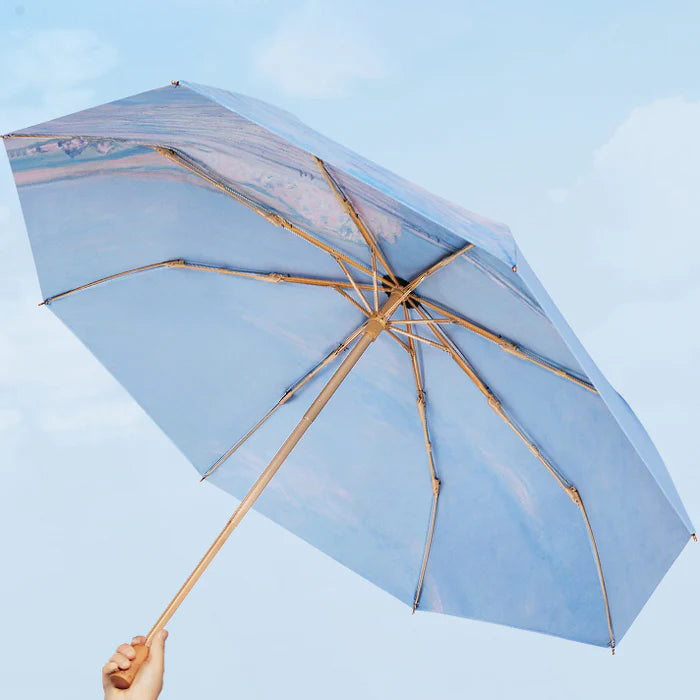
(143, 268)
(443, 262)
(375, 283)
(345, 295)
(397, 339)
(419, 321)
(350, 210)
(508, 346)
(435, 482)
(570, 489)
(288, 395)
(271, 216)
(582, 508)
(449, 347)
(273, 277)
(415, 336)
(407, 290)
(493, 401)
(361, 296)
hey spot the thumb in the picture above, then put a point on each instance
(157, 652)
(158, 645)
(151, 674)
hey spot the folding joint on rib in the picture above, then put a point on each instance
(286, 396)
(509, 347)
(494, 403)
(573, 493)
(275, 219)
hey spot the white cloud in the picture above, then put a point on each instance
(619, 252)
(627, 230)
(637, 206)
(654, 360)
(317, 53)
(47, 73)
(9, 418)
(649, 350)
(48, 380)
(55, 58)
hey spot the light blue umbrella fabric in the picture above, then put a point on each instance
(207, 355)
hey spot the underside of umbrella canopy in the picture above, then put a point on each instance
(219, 257)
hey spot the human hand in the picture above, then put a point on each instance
(149, 680)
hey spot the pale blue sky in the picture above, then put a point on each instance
(575, 123)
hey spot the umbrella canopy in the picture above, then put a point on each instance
(220, 258)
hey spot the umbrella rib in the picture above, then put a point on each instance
(397, 339)
(407, 290)
(133, 270)
(273, 217)
(273, 277)
(415, 336)
(269, 276)
(497, 407)
(419, 321)
(345, 295)
(375, 283)
(435, 482)
(350, 210)
(443, 262)
(508, 346)
(288, 395)
(352, 281)
(599, 566)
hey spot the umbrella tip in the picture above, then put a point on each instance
(515, 268)
(613, 650)
(695, 538)
(175, 82)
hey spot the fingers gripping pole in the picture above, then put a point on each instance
(372, 328)
(123, 679)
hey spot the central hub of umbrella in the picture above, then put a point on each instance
(388, 285)
(375, 326)
(378, 322)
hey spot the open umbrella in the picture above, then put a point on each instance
(233, 269)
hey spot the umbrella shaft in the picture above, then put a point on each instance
(372, 329)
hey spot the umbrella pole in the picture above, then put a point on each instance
(374, 326)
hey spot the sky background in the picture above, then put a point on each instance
(575, 123)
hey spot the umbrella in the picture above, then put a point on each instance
(234, 269)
